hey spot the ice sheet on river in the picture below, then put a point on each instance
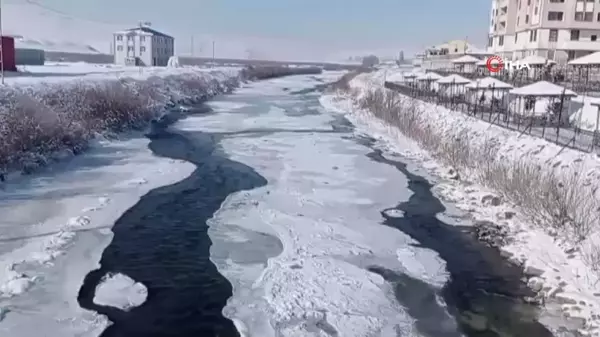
(323, 202)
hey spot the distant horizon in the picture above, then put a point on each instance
(262, 29)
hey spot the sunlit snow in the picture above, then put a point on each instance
(120, 291)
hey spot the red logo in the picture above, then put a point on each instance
(494, 64)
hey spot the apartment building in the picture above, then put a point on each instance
(441, 56)
(560, 30)
(142, 46)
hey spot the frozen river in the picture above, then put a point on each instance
(287, 224)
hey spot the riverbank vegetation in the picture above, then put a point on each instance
(44, 122)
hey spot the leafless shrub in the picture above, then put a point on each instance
(253, 73)
(591, 257)
(343, 83)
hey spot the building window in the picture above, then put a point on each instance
(120, 37)
(490, 42)
(142, 49)
(532, 35)
(570, 55)
(142, 38)
(130, 48)
(535, 11)
(519, 4)
(594, 37)
(584, 16)
(526, 18)
(557, 1)
(575, 35)
(555, 16)
(598, 17)
(518, 19)
(119, 48)
(528, 2)
(553, 36)
(516, 37)
(129, 38)
(501, 40)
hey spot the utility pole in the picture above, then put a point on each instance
(192, 45)
(1, 47)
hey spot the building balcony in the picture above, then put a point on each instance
(578, 45)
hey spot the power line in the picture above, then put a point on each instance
(71, 16)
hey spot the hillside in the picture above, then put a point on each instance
(37, 27)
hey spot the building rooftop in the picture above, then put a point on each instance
(147, 30)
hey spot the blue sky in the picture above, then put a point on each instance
(325, 25)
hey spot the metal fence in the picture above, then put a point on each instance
(496, 111)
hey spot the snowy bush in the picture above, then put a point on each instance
(562, 203)
(37, 121)
(265, 72)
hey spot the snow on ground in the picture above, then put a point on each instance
(326, 213)
(120, 291)
(569, 284)
(63, 71)
(56, 225)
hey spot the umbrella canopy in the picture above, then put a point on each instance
(542, 89)
(591, 59)
(453, 79)
(488, 82)
(467, 59)
(429, 77)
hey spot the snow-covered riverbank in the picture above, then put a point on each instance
(558, 271)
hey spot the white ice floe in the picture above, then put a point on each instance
(322, 202)
(56, 225)
(570, 284)
(120, 291)
(13, 283)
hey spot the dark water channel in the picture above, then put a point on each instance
(163, 243)
(484, 294)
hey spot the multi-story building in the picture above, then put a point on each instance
(559, 30)
(441, 56)
(142, 46)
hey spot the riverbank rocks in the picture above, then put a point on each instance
(491, 233)
(506, 215)
(536, 284)
(452, 174)
(491, 200)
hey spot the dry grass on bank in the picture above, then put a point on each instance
(563, 204)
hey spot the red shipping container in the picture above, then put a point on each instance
(8, 53)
